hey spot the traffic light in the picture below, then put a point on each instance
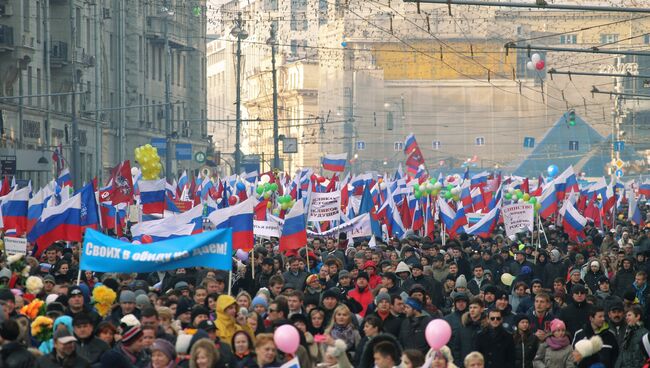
(572, 118)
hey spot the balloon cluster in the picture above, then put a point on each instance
(519, 196)
(147, 157)
(432, 187)
(535, 63)
(286, 202)
(266, 189)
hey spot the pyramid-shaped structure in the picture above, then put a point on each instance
(558, 147)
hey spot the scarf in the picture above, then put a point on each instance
(345, 333)
(639, 292)
(556, 343)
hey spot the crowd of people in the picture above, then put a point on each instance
(510, 303)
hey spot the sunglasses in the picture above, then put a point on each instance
(495, 318)
(272, 310)
(580, 293)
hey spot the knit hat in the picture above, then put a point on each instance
(414, 303)
(382, 296)
(131, 334)
(575, 270)
(402, 267)
(199, 310)
(332, 293)
(578, 288)
(344, 273)
(9, 330)
(461, 282)
(363, 275)
(259, 300)
(129, 320)
(555, 255)
(311, 278)
(142, 300)
(164, 347)
(456, 296)
(587, 348)
(183, 306)
(594, 263)
(557, 324)
(127, 296)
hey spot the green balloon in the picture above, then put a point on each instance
(267, 187)
(259, 190)
(417, 194)
(448, 195)
(450, 187)
(532, 200)
(274, 187)
(508, 196)
(520, 195)
(267, 195)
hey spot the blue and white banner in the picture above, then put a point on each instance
(213, 249)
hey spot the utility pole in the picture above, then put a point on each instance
(98, 130)
(241, 34)
(167, 13)
(76, 153)
(617, 111)
(276, 143)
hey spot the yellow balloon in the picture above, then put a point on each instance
(148, 146)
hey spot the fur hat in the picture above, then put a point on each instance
(587, 348)
(337, 349)
(557, 324)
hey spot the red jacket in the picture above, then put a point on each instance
(364, 298)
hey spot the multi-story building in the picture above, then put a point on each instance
(112, 55)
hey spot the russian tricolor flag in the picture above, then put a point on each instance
(634, 213)
(152, 196)
(572, 221)
(644, 189)
(15, 210)
(294, 229)
(548, 201)
(57, 223)
(410, 143)
(64, 179)
(486, 224)
(240, 219)
(335, 162)
(183, 182)
(162, 229)
(480, 179)
(36, 205)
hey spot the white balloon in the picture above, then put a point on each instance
(265, 179)
(437, 185)
(455, 191)
(429, 186)
(530, 65)
(382, 186)
(535, 58)
(521, 201)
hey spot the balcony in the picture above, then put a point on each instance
(6, 38)
(59, 54)
(175, 31)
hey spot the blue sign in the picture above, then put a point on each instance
(618, 173)
(619, 146)
(160, 144)
(102, 253)
(361, 145)
(184, 151)
(529, 142)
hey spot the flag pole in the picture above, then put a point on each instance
(230, 281)
(442, 234)
(79, 277)
(252, 262)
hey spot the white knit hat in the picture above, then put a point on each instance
(587, 348)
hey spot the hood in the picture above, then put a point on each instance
(402, 267)
(223, 302)
(466, 321)
(555, 256)
(63, 320)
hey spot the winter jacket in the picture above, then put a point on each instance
(592, 361)
(297, 279)
(52, 361)
(549, 358)
(433, 288)
(411, 334)
(575, 315)
(591, 279)
(16, 355)
(392, 323)
(226, 325)
(552, 271)
(464, 342)
(609, 352)
(623, 281)
(497, 347)
(118, 358)
(475, 285)
(525, 350)
(364, 298)
(631, 355)
(536, 324)
(91, 349)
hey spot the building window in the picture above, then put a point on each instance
(573, 145)
(609, 38)
(26, 20)
(569, 39)
(646, 38)
(77, 26)
(436, 145)
(294, 47)
(38, 21)
(479, 141)
(398, 146)
(390, 121)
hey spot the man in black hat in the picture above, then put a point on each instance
(616, 321)
(431, 285)
(264, 274)
(129, 352)
(64, 353)
(225, 353)
(576, 314)
(13, 354)
(76, 306)
(389, 281)
(460, 302)
(89, 347)
(604, 294)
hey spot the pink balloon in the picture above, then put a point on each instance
(540, 65)
(286, 339)
(438, 333)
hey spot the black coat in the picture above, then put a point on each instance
(16, 355)
(574, 316)
(91, 349)
(609, 353)
(623, 281)
(552, 271)
(497, 347)
(51, 361)
(116, 358)
(525, 350)
(463, 342)
(411, 334)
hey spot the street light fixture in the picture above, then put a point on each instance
(272, 41)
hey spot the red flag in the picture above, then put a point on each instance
(525, 186)
(331, 186)
(260, 210)
(6, 187)
(121, 189)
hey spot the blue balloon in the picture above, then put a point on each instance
(552, 170)
(344, 44)
(241, 186)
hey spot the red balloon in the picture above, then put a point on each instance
(233, 200)
(540, 65)
(313, 177)
(146, 239)
(321, 179)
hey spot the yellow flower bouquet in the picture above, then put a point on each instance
(103, 297)
(42, 328)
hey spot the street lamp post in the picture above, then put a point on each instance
(166, 14)
(276, 151)
(241, 34)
